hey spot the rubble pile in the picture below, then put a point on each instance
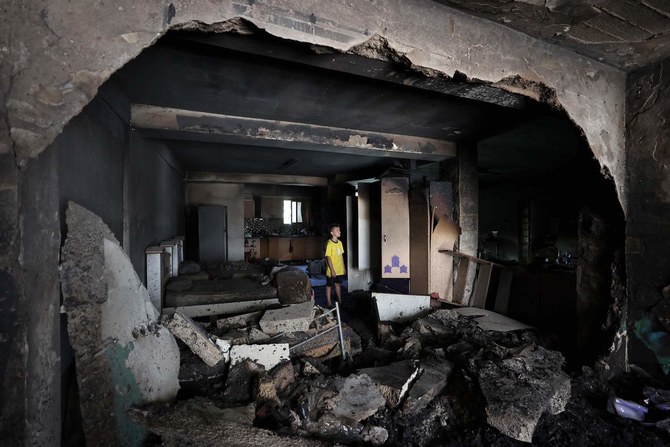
(407, 383)
(389, 370)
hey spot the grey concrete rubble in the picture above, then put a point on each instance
(239, 321)
(292, 318)
(520, 389)
(398, 380)
(105, 301)
(206, 425)
(293, 286)
(432, 381)
(399, 308)
(244, 336)
(358, 398)
(194, 337)
(268, 355)
(394, 380)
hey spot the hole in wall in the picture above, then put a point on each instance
(545, 210)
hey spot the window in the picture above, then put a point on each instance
(292, 212)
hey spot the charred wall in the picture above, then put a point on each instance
(648, 219)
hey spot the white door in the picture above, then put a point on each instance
(395, 227)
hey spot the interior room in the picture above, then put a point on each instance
(500, 193)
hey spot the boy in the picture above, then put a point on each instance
(335, 270)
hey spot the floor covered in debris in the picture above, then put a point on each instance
(441, 378)
(281, 369)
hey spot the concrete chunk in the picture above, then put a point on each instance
(293, 318)
(195, 338)
(245, 336)
(239, 321)
(492, 321)
(518, 390)
(400, 308)
(293, 286)
(205, 310)
(268, 355)
(393, 380)
(358, 398)
(430, 384)
(105, 300)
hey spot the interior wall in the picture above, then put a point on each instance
(648, 219)
(90, 154)
(230, 195)
(154, 198)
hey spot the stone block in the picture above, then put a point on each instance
(268, 355)
(401, 308)
(428, 386)
(393, 380)
(239, 321)
(358, 398)
(292, 318)
(194, 337)
(293, 286)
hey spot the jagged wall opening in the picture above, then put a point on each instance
(30, 144)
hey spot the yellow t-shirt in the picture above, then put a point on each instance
(335, 250)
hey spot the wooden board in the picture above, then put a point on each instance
(481, 286)
(444, 237)
(464, 265)
(503, 293)
(419, 238)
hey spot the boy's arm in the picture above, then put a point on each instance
(331, 269)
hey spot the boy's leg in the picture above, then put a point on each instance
(338, 293)
(328, 303)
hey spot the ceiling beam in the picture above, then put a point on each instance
(395, 73)
(164, 122)
(267, 179)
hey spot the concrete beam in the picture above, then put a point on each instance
(165, 121)
(352, 63)
(266, 179)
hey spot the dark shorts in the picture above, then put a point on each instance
(330, 281)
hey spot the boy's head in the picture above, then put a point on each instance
(334, 230)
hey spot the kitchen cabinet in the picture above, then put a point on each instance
(294, 248)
